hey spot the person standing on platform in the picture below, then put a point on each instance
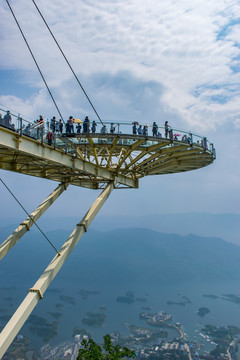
(85, 125)
(53, 124)
(57, 128)
(49, 138)
(154, 129)
(40, 126)
(94, 126)
(139, 130)
(70, 123)
(88, 124)
(1, 119)
(166, 129)
(145, 130)
(79, 127)
(7, 120)
(112, 128)
(60, 126)
(134, 129)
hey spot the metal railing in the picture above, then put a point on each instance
(57, 134)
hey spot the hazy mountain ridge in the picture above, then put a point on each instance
(137, 254)
(225, 226)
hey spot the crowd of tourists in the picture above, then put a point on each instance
(51, 128)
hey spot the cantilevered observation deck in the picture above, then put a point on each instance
(93, 159)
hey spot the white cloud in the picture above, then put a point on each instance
(172, 43)
(30, 108)
(147, 60)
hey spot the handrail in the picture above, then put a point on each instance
(39, 131)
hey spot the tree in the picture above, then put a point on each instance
(92, 351)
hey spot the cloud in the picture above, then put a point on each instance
(146, 61)
(187, 49)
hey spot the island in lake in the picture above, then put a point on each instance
(155, 319)
(210, 296)
(128, 298)
(40, 326)
(232, 297)
(144, 335)
(202, 311)
(94, 319)
(59, 306)
(55, 315)
(85, 293)
(68, 299)
(183, 302)
(222, 336)
(141, 299)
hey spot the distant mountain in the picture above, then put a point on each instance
(224, 226)
(134, 254)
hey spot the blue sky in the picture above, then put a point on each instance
(137, 60)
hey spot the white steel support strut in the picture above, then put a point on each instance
(36, 293)
(29, 221)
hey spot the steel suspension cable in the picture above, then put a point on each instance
(35, 60)
(79, 83)
(29, 216)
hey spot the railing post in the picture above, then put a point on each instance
(21, 122)
(18, 124)
(191, 137)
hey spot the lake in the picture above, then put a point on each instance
(66, 291)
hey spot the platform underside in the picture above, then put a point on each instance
(93, 160)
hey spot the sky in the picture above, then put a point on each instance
(147, 61)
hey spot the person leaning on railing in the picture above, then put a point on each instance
(7, 120)
(104, 129)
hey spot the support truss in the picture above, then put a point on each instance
(36, 293)
(25, 226)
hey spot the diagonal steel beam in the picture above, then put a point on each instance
(132, 147)
(161, 153)
(36, 293)
(94, 149)
(25, 226)
(115, 141)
